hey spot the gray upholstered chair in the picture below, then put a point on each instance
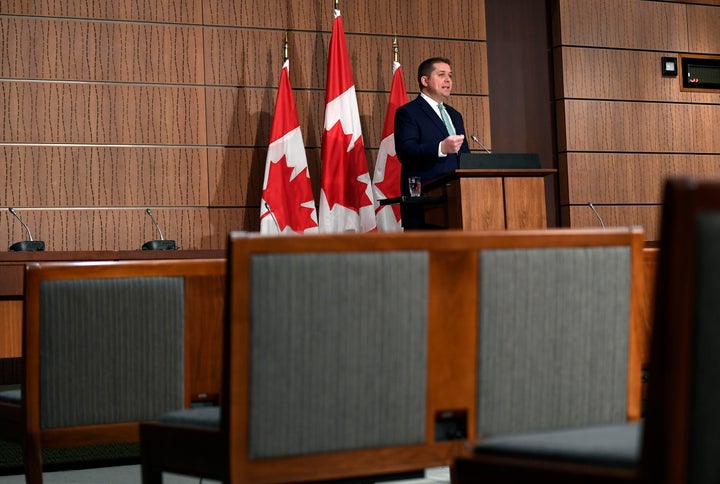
(325, 368)
(553, 340)
(351, 355)
(103, 349)
(679, 439)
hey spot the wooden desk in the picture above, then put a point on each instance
(203, 332)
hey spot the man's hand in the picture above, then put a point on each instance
(452, 143)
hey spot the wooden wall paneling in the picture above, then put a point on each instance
(139, 10)
(248, 123)
(169, 104)
(423, 18)
(617, 216)
(591, 73)
(40, 48)
(263, 15)
(127, 229)
(101, 113)
(630, 24)
(49, 175)
(226, 126)
(236, 176)
(476, 115)
(247, 57)
(240, 117)
(469, 63)
(629, 178)
(224, 220)
(705, 121)
(638, 127)
(703, 32)
(623, 128)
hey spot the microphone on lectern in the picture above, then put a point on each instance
(161, 244)
(475, 139)
(26, 245)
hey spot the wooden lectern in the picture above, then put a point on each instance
(490, 192)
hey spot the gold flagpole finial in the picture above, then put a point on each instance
(337, 4)
(285, 47)
(395, 49)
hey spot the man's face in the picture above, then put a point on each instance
(439, 84)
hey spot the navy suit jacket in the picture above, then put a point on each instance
(418, 132)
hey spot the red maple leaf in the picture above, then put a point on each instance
(284, 196)
(390, 186)
(342, 169)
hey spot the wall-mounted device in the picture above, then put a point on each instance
(700, 72)
(669, 66)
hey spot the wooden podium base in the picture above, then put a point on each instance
(510, 199)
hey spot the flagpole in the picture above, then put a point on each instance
(285, 48)
(395, 49)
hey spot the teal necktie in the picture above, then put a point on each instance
(446, 119)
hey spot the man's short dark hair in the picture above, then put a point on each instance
(427, 66)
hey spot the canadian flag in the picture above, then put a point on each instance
(386, 180)
(346, 195)
(288, 204)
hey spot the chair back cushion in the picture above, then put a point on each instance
(704, 426)
(553, 338)
(111, 349)
(338, 351)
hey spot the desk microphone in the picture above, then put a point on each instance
(602, 224)
(475, 139)
(26, 245)
(161, 244)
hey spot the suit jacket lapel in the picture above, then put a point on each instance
(430, 113)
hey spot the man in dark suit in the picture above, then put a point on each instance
(426, 145)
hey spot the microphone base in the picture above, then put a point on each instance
(28, 246)
(159, 245)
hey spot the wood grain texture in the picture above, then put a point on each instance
(616, 216)
(11, 329)
(631, 24)
(128, 229)
(241, 57)
(522, 210)
(638, 127)
(102, 176)
(40, 48)
(145, 10)
(703, 37)
(622, 178)
(460, 19)
(229, 127)
(622, 127)
(101, 113)
(635, 75)
(452, 336)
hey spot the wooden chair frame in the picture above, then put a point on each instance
(452, 333)
(664, 455)
(21, 423)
